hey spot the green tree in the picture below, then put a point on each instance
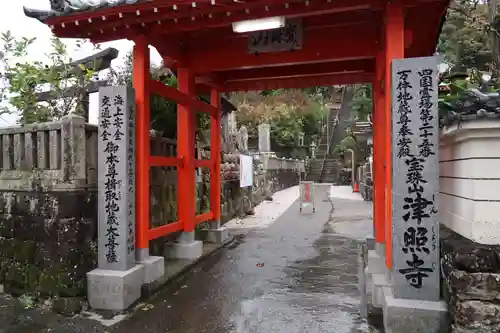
(21, 80)
(163, 112)
(464, 39)
(362, 101)
(288, 111)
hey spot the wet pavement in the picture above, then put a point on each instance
(299, 274)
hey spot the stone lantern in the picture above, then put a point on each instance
(313, 150)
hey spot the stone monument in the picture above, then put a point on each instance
(243, 139)
(264, 131)
(117, 281)
(415, 275)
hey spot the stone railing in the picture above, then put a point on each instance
(54, 153)
(469, 206)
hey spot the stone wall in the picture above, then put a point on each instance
(48, 213)
(471, 283)
(469, 206)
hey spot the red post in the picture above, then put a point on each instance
(215, 156)
(140, 82)
(378, 150)
(185, 152)
(394, 49)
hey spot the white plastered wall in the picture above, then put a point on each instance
(469, 200)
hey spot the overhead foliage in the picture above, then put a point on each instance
(465, 42)
(362, 101)
(21, 80)
(289, 112)
(464, 39)
(163, 112)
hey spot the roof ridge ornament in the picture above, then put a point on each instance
(64, 6)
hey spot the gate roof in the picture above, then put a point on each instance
(340, 37)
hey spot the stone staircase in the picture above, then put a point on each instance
(322, 169)
(316, 165)
(333, 163)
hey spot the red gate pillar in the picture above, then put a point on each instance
(394, 49)
(140, 82)
(215, 158)
(186, 126)
(378, 150)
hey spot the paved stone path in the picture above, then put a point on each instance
(297, 274)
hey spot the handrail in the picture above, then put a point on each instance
(329, 142)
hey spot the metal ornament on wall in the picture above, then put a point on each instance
(470, 104)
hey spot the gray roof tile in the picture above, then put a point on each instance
(66, 7)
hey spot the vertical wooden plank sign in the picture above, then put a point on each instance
(415, 183)
(116, 179)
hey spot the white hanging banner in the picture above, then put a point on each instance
(246, 171)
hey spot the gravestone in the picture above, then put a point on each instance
(264, 132)
(415, 182)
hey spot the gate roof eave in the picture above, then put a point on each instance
(186, 31)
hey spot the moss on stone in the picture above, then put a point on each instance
(24, 251)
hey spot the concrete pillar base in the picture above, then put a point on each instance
(413, 316)
(379, 281)
(216, 236)
(186, 247)
(154, 268)
(190, 251)
(370, 265)
(114, 290)
(370, 243)
(380, 249)
(376, 263)
(362, 262)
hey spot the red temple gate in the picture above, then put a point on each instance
(344, 42)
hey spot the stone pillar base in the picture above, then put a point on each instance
(154, 268)
(216, 236)
(192, 250)
(370, 265)
(376, 263)
(185, 248)
(362, 262)
(413, 316)
(380, 249)
(114, 290)
(370, 243)
(379, 281)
